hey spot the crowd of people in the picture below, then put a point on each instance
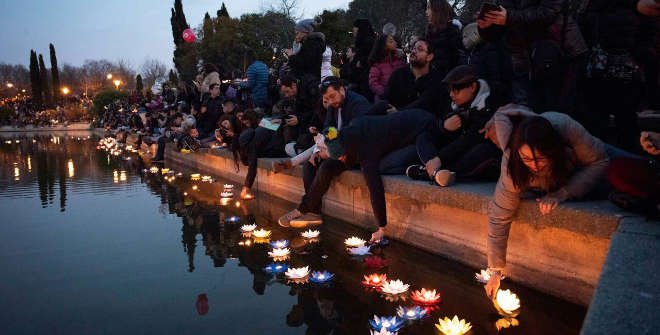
(524, 96)
(22, 112)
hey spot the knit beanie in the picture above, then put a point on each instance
(389, 29)
(471, 36)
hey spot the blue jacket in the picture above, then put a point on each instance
(257, 76)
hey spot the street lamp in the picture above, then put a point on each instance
(65, 90)
(109, 76)
(117, 82)
(10, 85)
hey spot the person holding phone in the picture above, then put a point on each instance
(526, 25)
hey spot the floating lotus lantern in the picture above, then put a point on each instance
(310, 234)
(233, 219)
(389, 323)
(374, 280)
(453, 326)
(483, 276)
(425, 297)
(276, 268)
(411, 313)
(180, 174)
(394, 287)
(153, 169)
(164, 171)
(195, 177)
(297, 273)
(226, 194)
(228, 187)
(354, 242)
(382, 331)
(376, 262)
(195, 188)
(279, 253)
(207, 179)
(507, 301)
(279, 244)
(359, 251)
(321, 277)
(246, 228)
(261, 233)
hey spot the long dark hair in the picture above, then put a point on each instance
(378, 52)
(442, 13)
(542, 138)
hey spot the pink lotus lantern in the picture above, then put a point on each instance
(425, 297)
(374, 280)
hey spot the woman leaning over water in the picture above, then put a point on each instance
(548, 152)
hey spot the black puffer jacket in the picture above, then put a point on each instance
(307, 62)
(527, 21)
(492, 63)
(446, 45)
(611, 23)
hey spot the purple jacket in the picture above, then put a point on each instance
(380, 73)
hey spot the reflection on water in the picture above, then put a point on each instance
(96, 244)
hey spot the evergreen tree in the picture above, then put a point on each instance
(222, 12)
(35, 78)
(139, 86)
(173, 78)
(185, 58)
(43, 74)
(55, 73)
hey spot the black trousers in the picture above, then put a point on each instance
(317, 181)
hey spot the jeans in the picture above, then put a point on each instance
(317, 181)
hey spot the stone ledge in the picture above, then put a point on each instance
(627, 297)
(561, 253)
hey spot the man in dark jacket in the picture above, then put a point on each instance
(458, 147)
(306, 61)
(300, 110)
(418, 85)
(210, 113)
(369, 140)
(343, 106)
(257, 81)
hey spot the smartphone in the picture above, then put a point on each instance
(487, 7)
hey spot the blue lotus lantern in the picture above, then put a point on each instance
(276, 268)
(321, 277)
(390, 323)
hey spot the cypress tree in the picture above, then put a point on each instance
(35, 78)
(173, 78)
(184, 53)
(139, 86)
(222, 12)
(55, 73)
(43, 74)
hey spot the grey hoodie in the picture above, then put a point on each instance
(589, 159)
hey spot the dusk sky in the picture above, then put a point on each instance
(133, 30)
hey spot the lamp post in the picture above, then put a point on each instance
(10, 85)
(65, 90)
(109, 76)
(117, 82)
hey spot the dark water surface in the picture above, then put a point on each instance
(91, 244)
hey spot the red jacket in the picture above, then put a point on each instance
(380, 73)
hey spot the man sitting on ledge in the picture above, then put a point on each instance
(318, 172)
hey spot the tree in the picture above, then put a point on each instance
(35, 78)
(16, 74)
(185, 58)
(408, 16)
(55, 73)
(173, 78)
(139, 87)
(222, 12)
(335, 27)
(288, 8)
(45, 87)
(151, 70)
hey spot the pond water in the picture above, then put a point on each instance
(94, 244)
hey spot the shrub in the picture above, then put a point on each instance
(105, 97)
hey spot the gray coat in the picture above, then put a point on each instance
(589, 160)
